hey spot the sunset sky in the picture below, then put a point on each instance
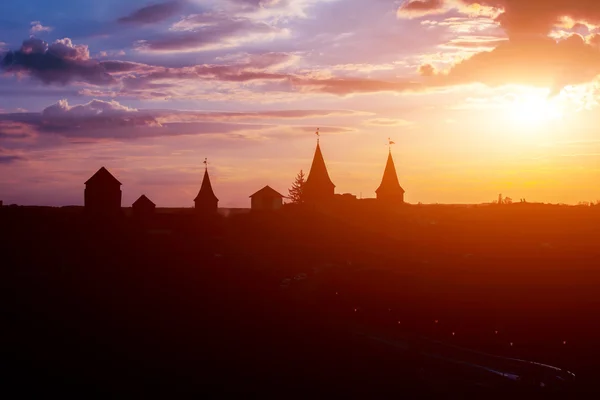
(481, 98)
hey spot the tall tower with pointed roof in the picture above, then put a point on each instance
(390, 191)
(318, 187)
(206, 202)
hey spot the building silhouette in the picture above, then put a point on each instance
(206, 202)
(389, 191)
(102, 193)
(318, 189)
(143, 207)
(266, 199)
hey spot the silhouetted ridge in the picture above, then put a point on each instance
(318, 186)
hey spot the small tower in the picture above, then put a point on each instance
(143, 207)
(318, 187)
(266, 199)
(102, 193)
(390, 191)
(206, 202)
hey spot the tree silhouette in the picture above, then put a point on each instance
(295, 192)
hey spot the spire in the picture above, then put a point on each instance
(206, 190)
(318, 185)
(390, 188)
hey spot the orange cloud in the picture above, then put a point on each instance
(532, 61)
(417, 8)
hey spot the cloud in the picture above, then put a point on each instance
(15, 131)
(209, 31)
(392, 122)
(37, 27)
(7, 157)
(254, 4)
(474, 42)
(113, 53)
(60, 62)
(426, 70)
(111, 120)
(96, 114)
(189, 116)
(346, 86)
(517, 17)
(419, 8)
(535, 61)
(529, 56)
(152, 13)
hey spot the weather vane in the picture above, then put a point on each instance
(390, 143)
(205, 163)
(318, 135)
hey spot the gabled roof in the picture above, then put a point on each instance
(318, 174)
(390, 183)
(143, 201)
(102, 176)
(268, 191)
(206, 190)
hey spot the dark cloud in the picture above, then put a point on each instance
(7, 157)
(152, 13)
(60, 62)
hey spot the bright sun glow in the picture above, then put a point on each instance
(535, 109)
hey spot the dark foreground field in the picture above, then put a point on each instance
(296, 304)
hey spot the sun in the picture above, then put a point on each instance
(534, 109)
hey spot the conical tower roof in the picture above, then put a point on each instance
(206, 190)
(318, 176)
(389, 182)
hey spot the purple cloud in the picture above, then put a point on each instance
(152, 13)
(7, 157)
(110, 120)
(96, 114)
(37, 27)
(60, 62)
(209, 31)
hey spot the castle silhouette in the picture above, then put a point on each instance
(103, 191)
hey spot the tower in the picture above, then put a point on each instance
(390, 191)
(318, 187)
(206, 202)
(102, 193)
